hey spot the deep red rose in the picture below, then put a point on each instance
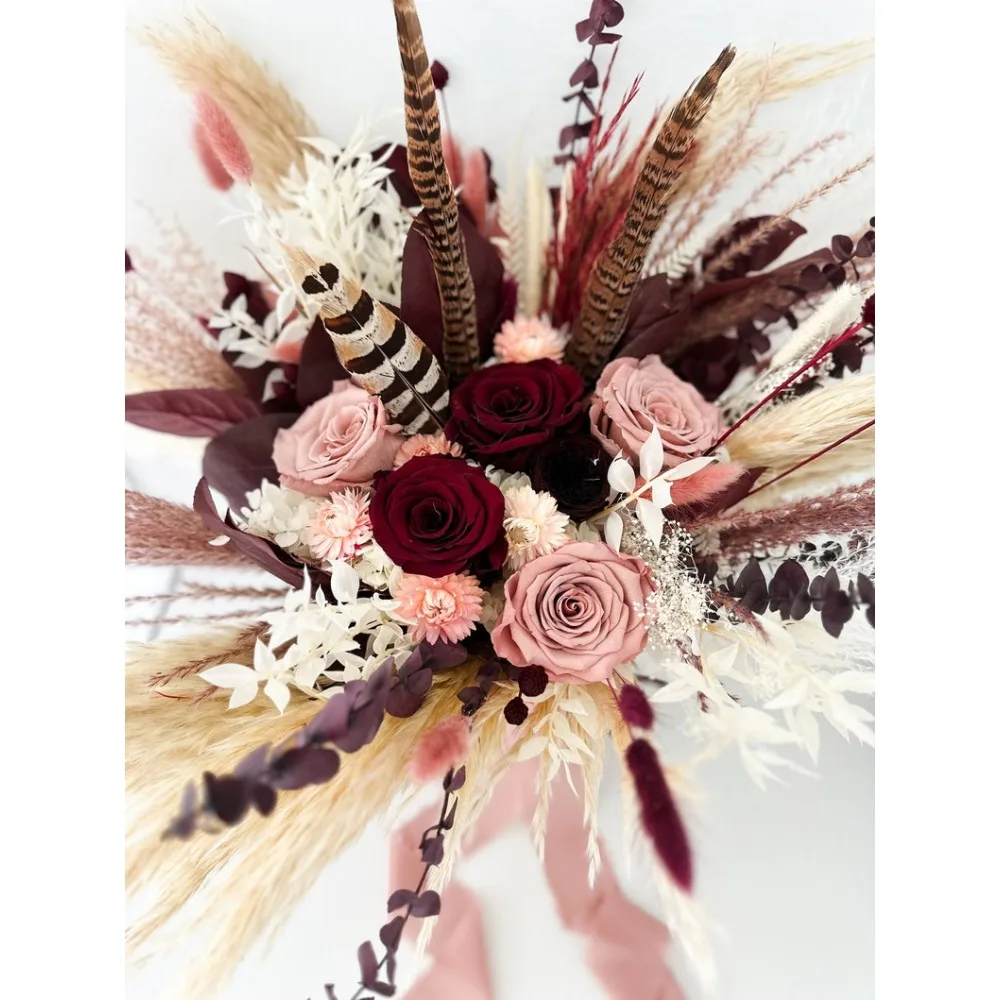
(502, 413)
(437, 514)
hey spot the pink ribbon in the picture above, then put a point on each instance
(626, 945)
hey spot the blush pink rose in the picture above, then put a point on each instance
(579, 612)
(635, 395)
(340, 441)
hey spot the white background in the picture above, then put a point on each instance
(787, 872)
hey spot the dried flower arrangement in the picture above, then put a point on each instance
(528, 465)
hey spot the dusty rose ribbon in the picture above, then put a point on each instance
(626, 945)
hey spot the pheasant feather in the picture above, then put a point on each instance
(614, 276)
(439, 222)
(381, 353)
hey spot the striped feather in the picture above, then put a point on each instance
(380, 352)
(429, 176)
(614, 276)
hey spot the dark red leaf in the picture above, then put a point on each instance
(238, 459)
(400, 176)
(318, 367)
(842, 247)
(612, 12)
(605, 38)
(189, 412)
(584, 29)
(420, 308)
(654, 321)
(264, 553)
(585, 75)
(572, 132)
(763, 253)
(866, 246)
(432, 851)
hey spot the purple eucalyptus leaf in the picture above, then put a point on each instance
(330, 995)
(303, 766)
(368, 963)
(391, 933)
(264, 798)
(571, 133)
(443, 655)
(254, 765)
(400, 898)
(455, 780)
(330, 723)
(585, 75)
(432, 850)
(227, 797)
(471, 698)
(408, 689)
(427, 904)
(605, 38)
(584, 29)
(449, 821)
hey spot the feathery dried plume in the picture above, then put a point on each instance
(610, 286)
(166, 347)
(223, 138)
(382, 354)
(847, 511)
(160, 533)
(216, 173)
(787, 433)
(659, 814)
(266, 117)
(439, 222)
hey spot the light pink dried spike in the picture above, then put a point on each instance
(223, 138)
(216, 173)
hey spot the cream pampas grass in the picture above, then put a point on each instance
(243, 882)
(787, 433)
(267, 118)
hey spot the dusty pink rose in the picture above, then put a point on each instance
(426, 444)
(443, 608)
(578, 612)
(633, 396)
(340, 441)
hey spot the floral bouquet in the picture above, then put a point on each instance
(529, 468)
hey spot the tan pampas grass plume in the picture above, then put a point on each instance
(786, 434)
(267, 119)
(251, 876)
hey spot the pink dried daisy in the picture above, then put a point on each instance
(534, 525)
(341, 525)
(523, 339)
(426, 444)
(443, 608)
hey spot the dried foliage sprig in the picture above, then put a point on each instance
(269, 121)
(791, 593)
(161, 533)
(417, 903)
(592, 29)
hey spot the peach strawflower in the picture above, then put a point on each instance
(443, 608)
(341, 525)
(426, 444)
(534, 525)
(523, 339)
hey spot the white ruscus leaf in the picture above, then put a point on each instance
(613, 528)
(621, 477)
(651, 518)
(651, 455)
